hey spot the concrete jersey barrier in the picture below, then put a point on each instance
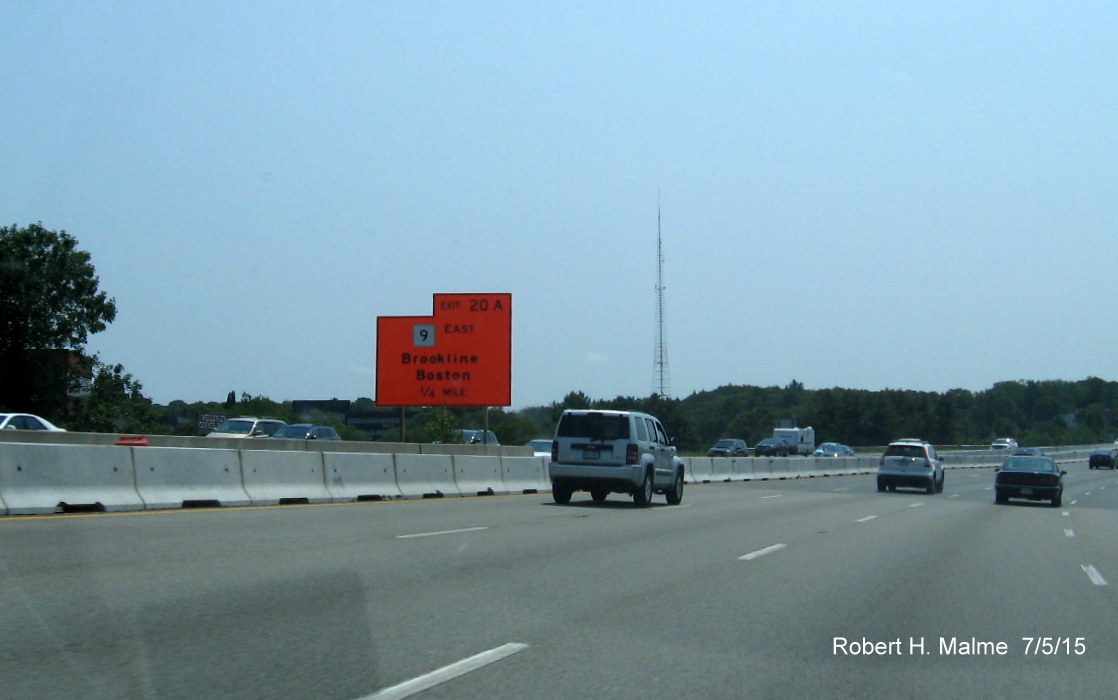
(275, 478)
(48, 478)
(478, 475)
(525, 474)
(426, 476)
(180, 477)
(359, 476)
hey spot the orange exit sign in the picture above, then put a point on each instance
(460, 356)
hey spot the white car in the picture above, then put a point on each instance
(247, 427)
(540, 448)
(1004, 444)
(911, 463)
(26, 421)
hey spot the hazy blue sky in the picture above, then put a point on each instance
(857, 194)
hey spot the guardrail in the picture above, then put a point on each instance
(47, 477)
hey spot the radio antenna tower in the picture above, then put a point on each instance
(661, 384)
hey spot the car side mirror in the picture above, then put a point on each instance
(1063, 473)
(997, 469)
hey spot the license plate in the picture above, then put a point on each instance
(1026, 492)
(590, 454)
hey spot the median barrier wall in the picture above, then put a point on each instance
(42, 478)
(177, 477)
(478, 475)
(525, 474)
(354, 476)
(426, 476)
(743, 468)
(721, 469)
(699, 470)
(273, 478)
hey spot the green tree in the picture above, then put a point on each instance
(49, 302)
(115, 403)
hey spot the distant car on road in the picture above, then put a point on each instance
(247, 427)
(1028, 451)
(1103, 459)
(478, 437)
(728, 447)
(540, 447)
(912, 463)
(834, 449)
(27, 421)
(771, 447)
(1004, 444)
(306, 431)
(1032, 478)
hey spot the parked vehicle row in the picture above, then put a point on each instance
(777, 447)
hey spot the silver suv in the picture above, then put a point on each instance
(607, 452)
(911, 463)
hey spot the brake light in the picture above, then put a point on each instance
(554, 450)
(631, 455)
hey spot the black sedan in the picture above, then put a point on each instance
(771, 447)
(1103, 459)
(1032, 478)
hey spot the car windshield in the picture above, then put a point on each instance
(1029, 464)
(597, 426)
(828, 446)
(234, 425)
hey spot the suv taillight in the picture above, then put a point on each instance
(631, 455)
(554, 450)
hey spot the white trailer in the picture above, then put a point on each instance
(801, 441)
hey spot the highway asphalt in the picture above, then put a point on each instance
(813, 587)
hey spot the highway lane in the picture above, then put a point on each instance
(741, 590)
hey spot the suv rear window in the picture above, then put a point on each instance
(904, 451)
(596, 426)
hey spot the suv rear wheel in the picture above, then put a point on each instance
(561, 493)
(642, 497)
(675, 493)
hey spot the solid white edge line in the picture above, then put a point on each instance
(763, 552)
(446, 673)
(441, 532)
(1094, 575)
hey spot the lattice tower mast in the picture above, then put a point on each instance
(662, 385)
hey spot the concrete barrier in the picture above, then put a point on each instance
(743, 468)
(699, 470)
(525, 474)
(355, 476)
(721, 469)
(478, 475)
(762, 468)
(47, 478)
(426, 476)
(275, 478)
(782, 468)
(176, 477)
